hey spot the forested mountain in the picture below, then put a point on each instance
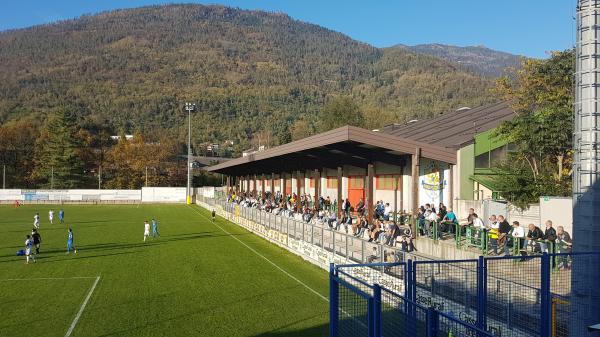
(252, 74)
(479, 59)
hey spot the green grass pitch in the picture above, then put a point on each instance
(195, 280)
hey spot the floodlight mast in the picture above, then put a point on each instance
(189, 107)
(585, 306)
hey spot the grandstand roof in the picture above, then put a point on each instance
(347, 145)
(454, 129)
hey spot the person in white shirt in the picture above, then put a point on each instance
(386, 211)
(28, 249)
(146, 230)
(36, 220)
(51, 216)
(477, 223)
(517, 235)
(492, 222)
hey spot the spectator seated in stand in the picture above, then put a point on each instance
(374, 229)
(387, 211)
(449, 221)
(360, 208)
(374, 256)
(564, 244)
(531, 240)
(516, 234)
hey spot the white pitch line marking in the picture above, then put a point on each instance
(87, 298)
(48, 278)
(259, 254)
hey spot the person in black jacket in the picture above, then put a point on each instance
(503, 228)
(549, 237)
(534, 233)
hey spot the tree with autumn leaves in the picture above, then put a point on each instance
(542, 96)
(63, 154)
(130, 162)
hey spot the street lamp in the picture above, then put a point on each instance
(189, 107)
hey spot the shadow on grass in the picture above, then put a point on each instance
(78, 256)
(315, 331)
(138, 245)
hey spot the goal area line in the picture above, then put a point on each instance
(83, 304)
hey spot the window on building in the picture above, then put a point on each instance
(493, 157)
(498, 155)
(356, 182)
(332, 182)
(386, 182)
(482, 160)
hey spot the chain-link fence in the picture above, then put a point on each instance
(530, 295)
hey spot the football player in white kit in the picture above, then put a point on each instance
(146, 230)
(36, 220)
(51, 215)
(28, 249)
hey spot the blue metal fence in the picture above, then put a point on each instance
(497, 296)
(359, 308)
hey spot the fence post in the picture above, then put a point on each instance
(333, 301)
(409, 308)
(362, 251)
(333, 240)
(370, 324)
(433, 322)
(545, 307)
(377, 319)
(481, 293)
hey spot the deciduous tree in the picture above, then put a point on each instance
(542, 97)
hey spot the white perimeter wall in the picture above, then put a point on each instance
(164, 194)
(71, 195)
(146, 194)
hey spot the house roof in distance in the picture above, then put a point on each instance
(453, 129)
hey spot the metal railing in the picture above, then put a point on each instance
(500, 296)
(336, 239)
(359, 308)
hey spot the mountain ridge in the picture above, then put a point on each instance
(248, 71)
(479, 59)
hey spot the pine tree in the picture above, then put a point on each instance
(58, 164)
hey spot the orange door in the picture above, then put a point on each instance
(356, 189)
(288, 186)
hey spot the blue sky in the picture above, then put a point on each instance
(526, 27)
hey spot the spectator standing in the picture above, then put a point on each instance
(503, 228)
(549, 237)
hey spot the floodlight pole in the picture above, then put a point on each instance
(3, 177)
(189, 107)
